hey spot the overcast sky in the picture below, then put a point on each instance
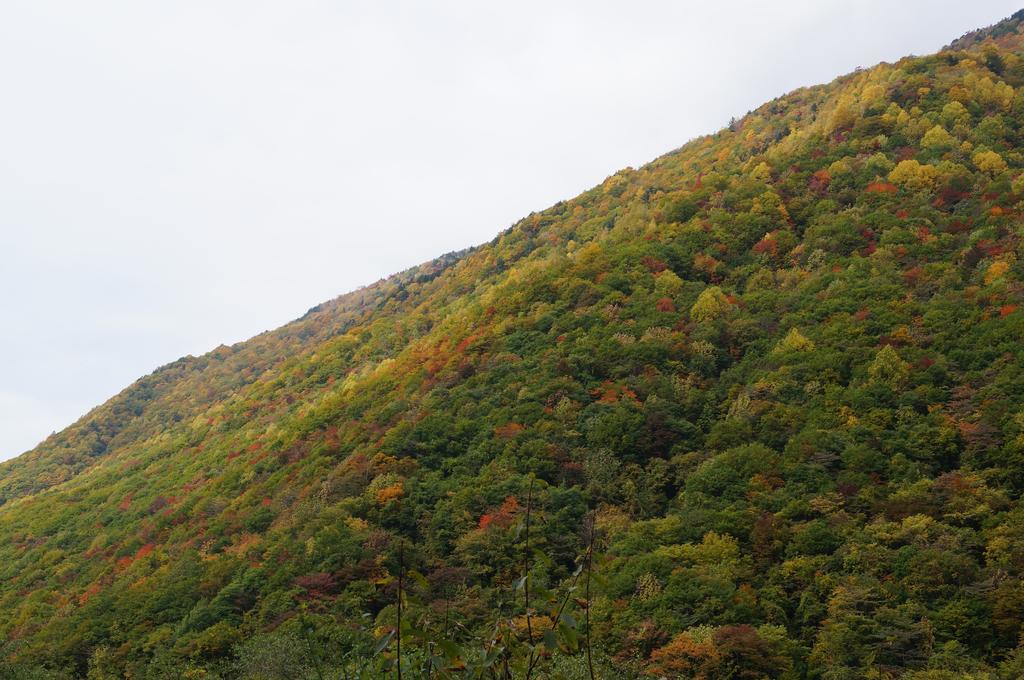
(176, 175)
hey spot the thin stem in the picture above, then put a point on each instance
(447, 609)
(534, 656)
(586, 595)
(526, 563)
(398, 630)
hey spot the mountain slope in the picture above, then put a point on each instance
(186, 387)
(780, 365)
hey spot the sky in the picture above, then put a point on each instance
(177, 175)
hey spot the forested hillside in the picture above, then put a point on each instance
(754, 410)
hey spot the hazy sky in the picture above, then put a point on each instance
(174, 175)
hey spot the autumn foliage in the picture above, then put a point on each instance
(766, 388)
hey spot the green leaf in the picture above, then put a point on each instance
(383, 643)
(492, 655)
(419, 578)
(451, 650)
(569, 635)
(550, 640)
(543, 593)
(413, 631)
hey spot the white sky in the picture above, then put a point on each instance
(174, 175)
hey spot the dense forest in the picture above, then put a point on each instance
(754, 410)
